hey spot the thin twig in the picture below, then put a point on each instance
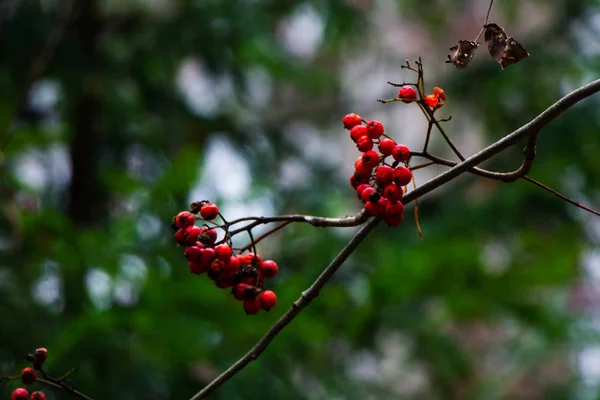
(562, 196)
(424, 165)
(486, 21)
(529, 155)
(264, 235)
(487, 16)
(60, 384)
(306, 297)
(427, 135)
(431, 117)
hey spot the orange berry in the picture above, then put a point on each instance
(432, 100)
(440, 92)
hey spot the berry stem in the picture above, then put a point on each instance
(264, 235)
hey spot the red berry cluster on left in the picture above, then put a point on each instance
(377, 183)
(29, 376)
(245, 274)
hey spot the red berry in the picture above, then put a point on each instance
(193, 254)
(28, 376)
(232, 266)
(367, 193)
(252, 306)
(243, 261)
(361, 169)
(197, 267)
(407, 93)
(370, 159)
(180, 237)
(184, 219)
(383, 176)
(393, 192)
(20, 394)
(208, 236)
(372, 208)
(225, 281)
(209, 211)
(393, 209)
(361, 188)
(216, 266)
(40, 355)
(254, 260)
(268, 299)
(356, 180)
(440, 92)
(223, 252)
(382, 204)
(207, 257)
(374, 129)
(402, 176)
(351, 120)
(401, 153)
(386, 147)
(239, 291)
(364, 143)
(269, 268)
(38, 396)
(432, 100)
(392, 220)
(358, 131)
(191, 234)
(244, 291)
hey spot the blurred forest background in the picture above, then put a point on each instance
(115, 115)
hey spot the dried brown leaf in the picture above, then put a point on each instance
(462, 54)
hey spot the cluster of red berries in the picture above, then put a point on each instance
(243, 273)
(28, 376)
(378, 184)
(435, 100)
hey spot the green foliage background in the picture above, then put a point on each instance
(497, 302)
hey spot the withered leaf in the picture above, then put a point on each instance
(505, 50)
(496, 38)
(462, 54)
(513, 53)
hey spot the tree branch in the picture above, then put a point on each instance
(531, 129)
(306, 297)
(562, 196)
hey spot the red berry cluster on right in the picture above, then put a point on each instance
(245, 274)
(377, 183)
